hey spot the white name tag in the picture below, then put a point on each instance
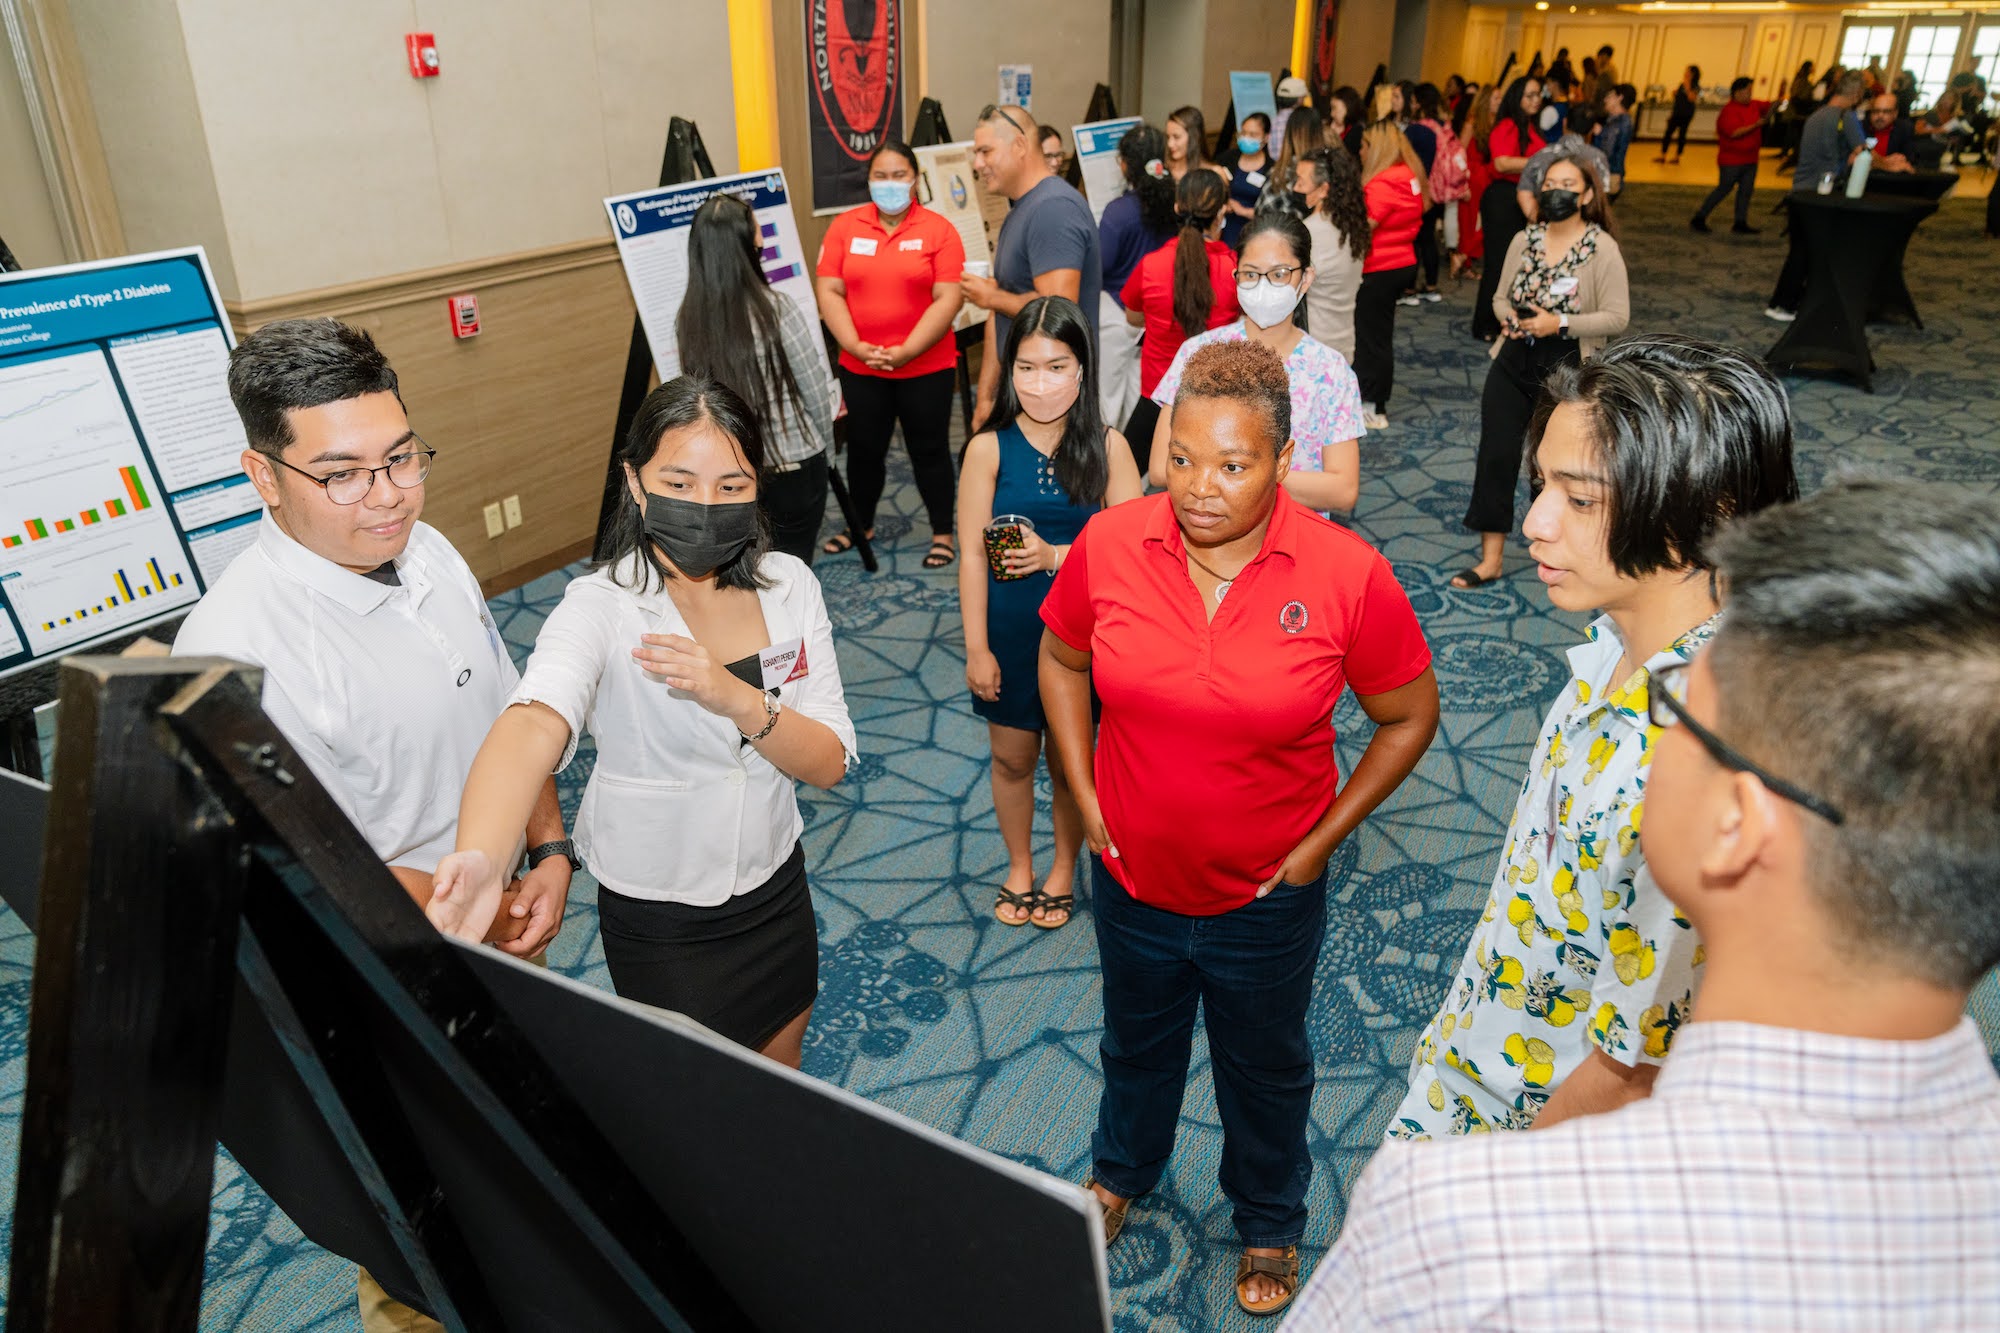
(1255, 178)
(1416, 189)
(1562, 286)
(861, 245)
(916, 244)
(783, 663)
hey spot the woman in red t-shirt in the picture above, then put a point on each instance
(888, 288)
(1183, 288)
(1478, 175)
(1397, 192)
(1513, 140)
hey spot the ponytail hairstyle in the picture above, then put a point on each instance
(1080, 463)
(1142, 157)
(1304, 132)
(1200, 199)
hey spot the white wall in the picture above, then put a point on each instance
(966, 41)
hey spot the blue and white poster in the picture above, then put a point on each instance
(122, 493)
(1017, 87)
(1251, 90)
(1097, 158)
(652, 231)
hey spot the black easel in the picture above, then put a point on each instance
(1102, 105)
(20, 744)
(686, 160)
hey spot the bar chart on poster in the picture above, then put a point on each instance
(122, 496)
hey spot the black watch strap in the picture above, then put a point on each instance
(565, 849)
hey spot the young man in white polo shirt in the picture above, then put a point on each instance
(382, 665)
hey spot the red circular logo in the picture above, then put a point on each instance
(854, 46)
(1293, 617)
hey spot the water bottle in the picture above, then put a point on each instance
(1857, 176)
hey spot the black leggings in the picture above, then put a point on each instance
(1375, 332)
(923, 403)
(1506, 407)
(1501, 219)
(1428, 256)
(1678, 122)
(1145, 419)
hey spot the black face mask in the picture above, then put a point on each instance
(1555, 205)
(700, 538)
(1299, 204)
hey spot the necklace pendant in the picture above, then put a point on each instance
(1222, 590)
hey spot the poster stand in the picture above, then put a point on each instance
(930, 128)
(686, 160)
(20, 744)
(1102, 105)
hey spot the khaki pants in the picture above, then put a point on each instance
(383, 1313)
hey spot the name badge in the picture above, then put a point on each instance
(1562, 287)
(861, 245)
(1255, 178)
(783, 663)
(1416, 189)
(915, 244)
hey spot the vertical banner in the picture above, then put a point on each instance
(1319, 52)
(652, 231)
(854, 64)
(1097, 159)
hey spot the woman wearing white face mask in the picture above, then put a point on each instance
(1047, 457)
(1272, 277)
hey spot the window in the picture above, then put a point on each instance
(1986, 54)
(1863, 42)
(1929, 55)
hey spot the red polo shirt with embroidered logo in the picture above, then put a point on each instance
(1215, 750)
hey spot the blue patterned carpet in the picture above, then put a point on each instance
(931, 1007)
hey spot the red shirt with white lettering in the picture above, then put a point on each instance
(1215, 749)
(888, 276)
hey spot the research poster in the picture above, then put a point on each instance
(1097, 158)
(1017, 87)
(1252, 90)
(652, 231)
(948, 187)
(122, 493)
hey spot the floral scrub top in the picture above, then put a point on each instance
(1577, 948)
(1326, 399)
(1551, 287)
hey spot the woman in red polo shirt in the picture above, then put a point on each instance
(1511, 142)
(1185, 287)
(1220, 623)
(888, 288)
(1397, 191)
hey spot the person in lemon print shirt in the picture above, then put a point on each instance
(1579, 971)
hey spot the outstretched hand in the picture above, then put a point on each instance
(465, 895)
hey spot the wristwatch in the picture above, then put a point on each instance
(1564, 317)
(565, 849)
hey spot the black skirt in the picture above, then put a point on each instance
(744, 969)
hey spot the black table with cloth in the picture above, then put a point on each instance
(1932, 185)
(1853, 255)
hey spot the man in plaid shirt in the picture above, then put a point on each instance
(1822, 1147)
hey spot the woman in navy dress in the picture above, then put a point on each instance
(1048, 457)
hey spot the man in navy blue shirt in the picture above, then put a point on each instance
(1048, 244)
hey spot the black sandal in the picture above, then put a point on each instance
(942, 553)
(1027, 902)
(1054, 902)
(837, 543)
(1473, 579)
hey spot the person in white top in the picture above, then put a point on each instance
(702, 662)
(382, 666)
(1327, 192)
(1822, 1148)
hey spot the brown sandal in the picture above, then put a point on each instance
(1283, 1267)
(1114, 1218)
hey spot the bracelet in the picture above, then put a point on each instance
(770, 720)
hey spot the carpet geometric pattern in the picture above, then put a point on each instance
(930, 1007)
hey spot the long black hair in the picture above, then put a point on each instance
(1079, 461)
(1140, 150)
(684, 401)
(1511, 110)
(727, 328)
(1201, 198)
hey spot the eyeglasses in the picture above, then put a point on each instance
(1284, 273)
(350, 484)
(1665, 709)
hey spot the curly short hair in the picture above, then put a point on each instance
(1244, 372)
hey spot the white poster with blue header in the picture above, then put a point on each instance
(1097, 159)
(122, 494)
(1251, 90)
(652, 231)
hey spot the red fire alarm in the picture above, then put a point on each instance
(423, 49)
(464, 315)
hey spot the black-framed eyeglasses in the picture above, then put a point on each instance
(1665, 709)
(347, 486)
(1283, 274)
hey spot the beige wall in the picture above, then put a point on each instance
(965, 43)
(1367, 29)
(27, 213)
(1242, 34)
(1651, 51)
(290, 138)
(1171, 71)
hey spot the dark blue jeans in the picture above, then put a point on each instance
(1251, 971)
